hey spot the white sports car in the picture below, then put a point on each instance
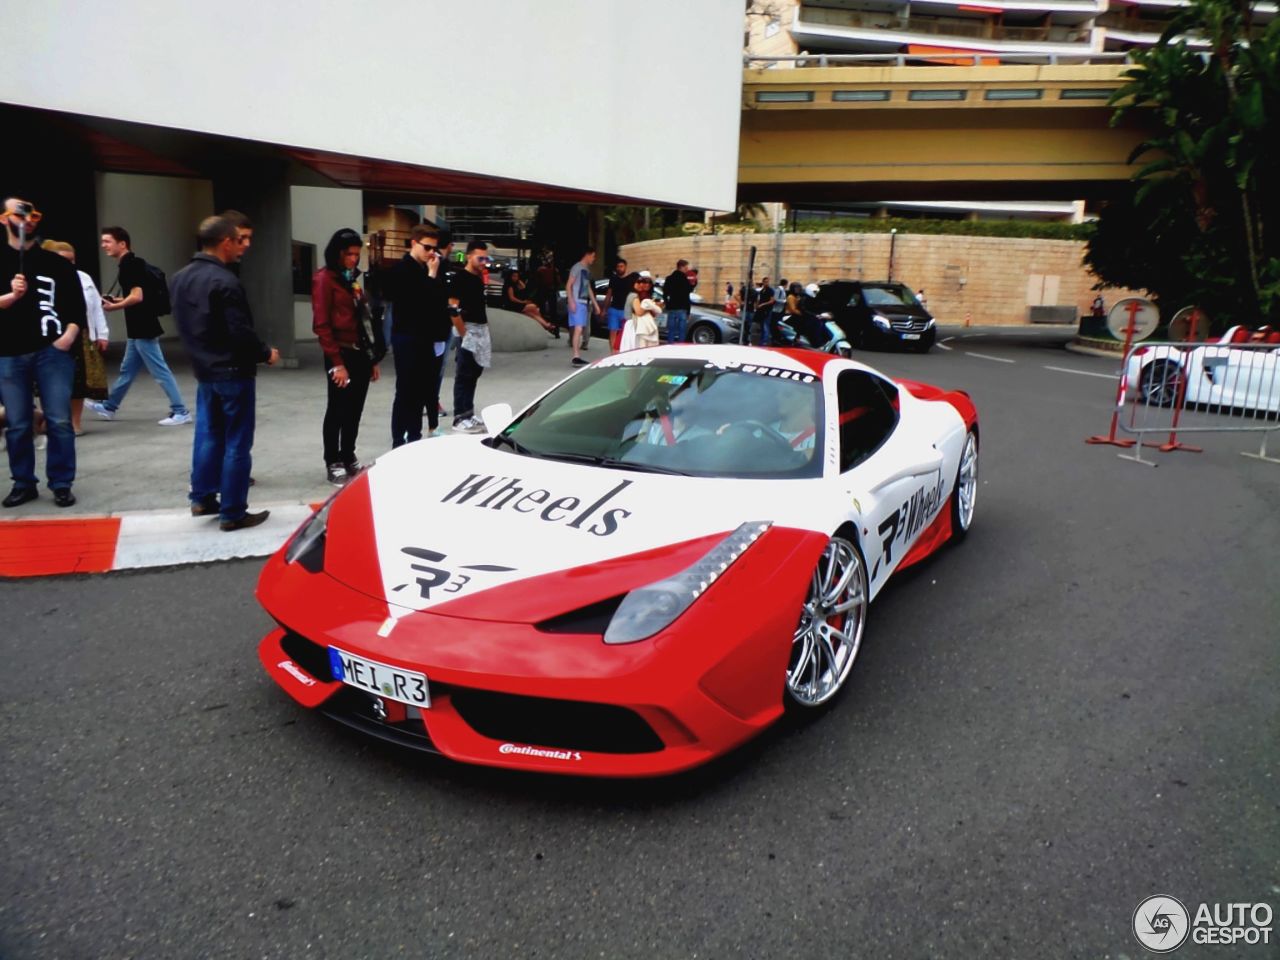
(1230, 374)
(636, 574)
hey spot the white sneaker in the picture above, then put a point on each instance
(437, 432)
(469, 425)
(97, 407)
(175, 420)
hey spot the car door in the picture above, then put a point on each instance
(1254, 375)
(894, 476)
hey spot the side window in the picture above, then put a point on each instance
(868, 414)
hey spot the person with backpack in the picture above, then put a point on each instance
(145, 299)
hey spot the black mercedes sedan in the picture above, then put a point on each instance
(878, 313)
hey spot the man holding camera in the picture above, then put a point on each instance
(213, 317)
(43, 315)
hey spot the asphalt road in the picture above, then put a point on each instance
(1075, 709)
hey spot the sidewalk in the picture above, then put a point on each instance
(131, 474)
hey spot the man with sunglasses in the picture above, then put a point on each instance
(420, 329)
(41, 314)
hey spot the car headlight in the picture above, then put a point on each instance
(931, 322)
(880, 320)
(646, 610)
(307, 545)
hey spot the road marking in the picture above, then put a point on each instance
(984, 356)
(946, 339)
(943, 346)
(1083, 373)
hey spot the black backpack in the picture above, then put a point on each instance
(155, 293)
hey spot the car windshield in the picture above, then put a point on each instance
(679, 416)
(889, 295)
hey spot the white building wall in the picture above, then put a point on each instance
(420, 82)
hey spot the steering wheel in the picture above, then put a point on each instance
(757, 430)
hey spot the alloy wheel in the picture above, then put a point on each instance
(829, 633)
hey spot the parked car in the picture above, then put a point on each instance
(1239, 372)
(878, 313)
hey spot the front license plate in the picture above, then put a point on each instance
(911, 336)
(379, 678)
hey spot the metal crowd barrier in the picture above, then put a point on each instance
(1177, 388)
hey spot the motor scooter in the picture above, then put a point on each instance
(801, 332)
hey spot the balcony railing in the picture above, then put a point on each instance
(916, 59)
(970, 28)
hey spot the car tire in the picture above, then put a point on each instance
(964, 494)
(704, 334)
(1161, 382)
(829, 632)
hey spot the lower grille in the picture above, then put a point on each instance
(355, 708)
(310, 656)
(564, 724)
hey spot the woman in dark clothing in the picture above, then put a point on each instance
(516, 297)
(351, 351)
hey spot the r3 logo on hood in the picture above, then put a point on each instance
(438, 577)
(499, 495)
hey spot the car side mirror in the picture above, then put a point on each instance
(497, 417)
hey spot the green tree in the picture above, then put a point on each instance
(1195, 226)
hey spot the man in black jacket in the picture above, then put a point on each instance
(420, 330)
(213, 317)
(678, 291)
(41, 314)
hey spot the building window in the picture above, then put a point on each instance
(859, 96)
(1086, 93)
(937, 94)
(304, 265)
(784, 96)
(1013, 94)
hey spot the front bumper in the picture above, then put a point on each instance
(513, 695)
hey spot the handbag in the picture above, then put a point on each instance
(95, 370)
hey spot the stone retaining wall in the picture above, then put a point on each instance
(989, 280)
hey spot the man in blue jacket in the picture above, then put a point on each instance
(214, 321)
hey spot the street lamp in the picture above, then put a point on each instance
(893, 239)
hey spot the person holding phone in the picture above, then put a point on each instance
(420, 330)
(352, 352)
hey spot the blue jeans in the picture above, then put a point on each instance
(222, 455)
(676, 320)
(139, 353)
(454, 340)
(53, 370)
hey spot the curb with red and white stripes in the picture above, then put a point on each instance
(137, 540)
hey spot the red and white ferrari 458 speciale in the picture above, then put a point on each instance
(638, 573)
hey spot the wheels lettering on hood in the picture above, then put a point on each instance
(492, 493)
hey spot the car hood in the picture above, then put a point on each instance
(450, 524)
(902, 311)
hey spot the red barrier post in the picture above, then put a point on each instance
(1110, 438)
